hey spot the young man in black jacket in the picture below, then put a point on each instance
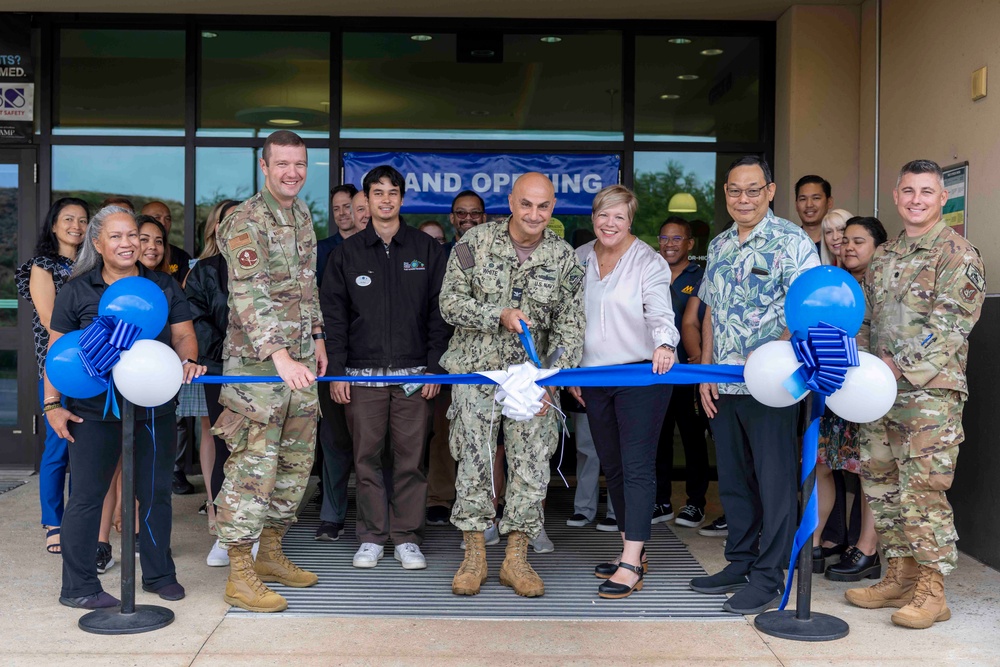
(380, 302)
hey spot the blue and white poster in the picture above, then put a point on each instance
(433, 179)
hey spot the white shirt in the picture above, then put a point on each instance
(629, 313)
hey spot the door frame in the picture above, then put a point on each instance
(21, 446)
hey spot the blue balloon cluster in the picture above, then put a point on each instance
(824, 294)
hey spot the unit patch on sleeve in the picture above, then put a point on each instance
(248, 258)
(240, 240)
(975, 277)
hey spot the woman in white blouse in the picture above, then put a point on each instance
(629, 320)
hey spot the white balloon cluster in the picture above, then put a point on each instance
(148, 374)
(869, 389)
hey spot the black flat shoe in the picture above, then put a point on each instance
(172, 592)
(100, 600)
(855, 566)
(613, 591)
(607, 570)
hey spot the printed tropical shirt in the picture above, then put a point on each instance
(745, 286)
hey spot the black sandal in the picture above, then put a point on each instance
(55, 548)
(615, 591)
(607, 570)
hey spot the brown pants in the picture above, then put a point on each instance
(441, 467)
(371, 412)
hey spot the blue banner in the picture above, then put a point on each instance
(433, 179)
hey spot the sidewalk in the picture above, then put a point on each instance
(37, 630)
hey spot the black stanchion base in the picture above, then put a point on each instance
(146, 618)
(816, 628)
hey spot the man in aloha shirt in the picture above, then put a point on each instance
(750, 268)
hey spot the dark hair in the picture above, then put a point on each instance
(384, 171)
(117, 200)
(921, 167)
(872, 225)
(345, 187)
(818, 180)
(752, 161)
(280, 138)
(48, 244)
(468, 193)
(677, 220)
(140, 220)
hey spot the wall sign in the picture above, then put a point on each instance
(956, 182)
(433, 179)
(17, 74)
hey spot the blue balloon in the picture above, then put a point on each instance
(66, 371)
(825, 294)
(138, 301)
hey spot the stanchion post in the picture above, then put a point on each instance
(130, 618)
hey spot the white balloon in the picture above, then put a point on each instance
(767, 368)
(869, 391)
(149, 374)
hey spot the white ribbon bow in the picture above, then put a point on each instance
(519, 393)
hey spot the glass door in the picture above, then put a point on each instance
(20, 445)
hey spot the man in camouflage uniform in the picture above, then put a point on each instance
(499, 274)
(924, 292)
(270, 247)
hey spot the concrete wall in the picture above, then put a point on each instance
(817, 102)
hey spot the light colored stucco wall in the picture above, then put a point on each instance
(817, 102)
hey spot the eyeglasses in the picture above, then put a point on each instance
(467, 214)
(752, 193)
(667, 240)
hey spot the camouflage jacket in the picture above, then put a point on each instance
(483, 278)
(923, 295)
(273, 300)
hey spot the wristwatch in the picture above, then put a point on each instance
(669, 347)
(319, 336)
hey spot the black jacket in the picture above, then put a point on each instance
(207, 290)
(381, 309)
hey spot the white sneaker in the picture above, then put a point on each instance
(217, 557)
(491, 534)
(542, 544)
(409, 555)
(368, 555)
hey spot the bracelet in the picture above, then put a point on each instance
(51, 398)
(49, 407)
(319, 336)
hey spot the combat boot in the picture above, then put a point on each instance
(244, 589)
(273, 565)
(472, 572)
(895, 590)
(928, 605)
(516, 572)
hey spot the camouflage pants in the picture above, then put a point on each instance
(907, 464)
(472, 440)
(271, 433)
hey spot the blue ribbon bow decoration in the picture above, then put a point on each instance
(101, 345)
(826, 353)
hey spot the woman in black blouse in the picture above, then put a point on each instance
(109, 253)
(38, 281)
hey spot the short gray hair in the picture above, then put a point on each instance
(89, 257)
(921, 167)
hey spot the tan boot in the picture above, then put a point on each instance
(244, 589)
(472, 572)
(895, 590)
(516, 572)
(273, 565)
(928, 605)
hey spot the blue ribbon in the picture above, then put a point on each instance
(101, 345)
(826, 353)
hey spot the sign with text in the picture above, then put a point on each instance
(17, 90)
(433, 179)
(956, 182)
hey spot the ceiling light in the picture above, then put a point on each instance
(551, 40)
(712, 52)
(284, 122)
(207, 34)
(682, 202)
(421, 38)
(679, 40)
(282, 117)
(669, 96)
(687, 77)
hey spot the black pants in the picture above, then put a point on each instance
(217, 475)
(93, 457)
(692, 425)
(756, 451)
(625, 423)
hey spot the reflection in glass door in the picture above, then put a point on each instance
(18, 374)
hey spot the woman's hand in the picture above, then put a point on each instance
(663, 360)
(577, 394)
(193, 370)
(59, 419)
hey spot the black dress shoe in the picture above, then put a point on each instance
(607, 570)
(181, 486)
(614, 591)
(855, 566)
